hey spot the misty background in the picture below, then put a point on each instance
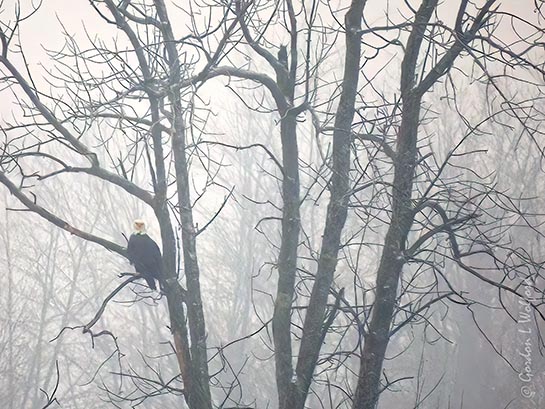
(459, 356)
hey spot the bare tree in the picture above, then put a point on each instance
(133, 115)
(102, 104)
(473, 35)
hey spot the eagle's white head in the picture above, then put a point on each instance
(139, 226)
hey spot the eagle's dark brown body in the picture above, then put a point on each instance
(145, 255)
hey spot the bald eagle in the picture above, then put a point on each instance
(144, 254)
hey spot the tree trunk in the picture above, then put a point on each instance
(392, 260)
(287, 259)
(391, 263)
(201, 398)
(197, 382)
(337, 210)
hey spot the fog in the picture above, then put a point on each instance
(355, 224)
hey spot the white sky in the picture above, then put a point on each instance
(43, 30)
